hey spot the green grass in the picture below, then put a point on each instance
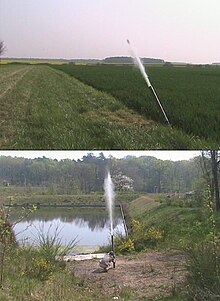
(190, 95)
(22, 282)
(181, 225)
(43, 108)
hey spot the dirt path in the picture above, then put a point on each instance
(149, 275)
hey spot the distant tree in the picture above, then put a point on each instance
(2, 48)
(168, 64)
(210, 165)
(215, 160)
(123, 182)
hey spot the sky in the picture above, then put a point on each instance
(173, 30)
(163, 155)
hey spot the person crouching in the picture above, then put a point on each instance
(105, 262)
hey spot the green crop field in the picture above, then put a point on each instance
(45, 108)
(190, 95)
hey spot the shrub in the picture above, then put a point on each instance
(154, 235)
(203, 278)
(204, 261)
(42, 268)
(142, 237)
(50, 246)
(44, 261)
(136, 226)
(126, 246)
(147, 238)
(6, 232)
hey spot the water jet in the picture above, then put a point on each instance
(110, 197)
(139, 64)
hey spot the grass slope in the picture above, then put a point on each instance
(146, 203)
(180, 224)
(43, 108)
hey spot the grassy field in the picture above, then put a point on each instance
(44, 108)
(190, 95)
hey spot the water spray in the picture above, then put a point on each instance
(110, 196)
(146, 78)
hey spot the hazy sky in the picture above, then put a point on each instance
(163, 155)
(174, 30)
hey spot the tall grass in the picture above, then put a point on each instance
(30, 277)
(34, 273)
(190, 95)
(204, 261)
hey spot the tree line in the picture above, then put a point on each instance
(142, 174)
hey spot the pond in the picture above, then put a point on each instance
(90, 227)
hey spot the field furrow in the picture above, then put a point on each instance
(9, 79)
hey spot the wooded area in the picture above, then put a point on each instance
(143, 174)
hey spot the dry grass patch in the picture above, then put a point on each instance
(146, 203)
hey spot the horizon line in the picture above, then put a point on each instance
(102, 59)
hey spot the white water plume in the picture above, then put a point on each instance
(109, 197)
(138, 63)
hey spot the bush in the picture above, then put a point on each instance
(7, 235)
(126, 246)
(148, 238)
(44, 261)
(137, 226)
(140, 238)
(50, 246)
(204, 261)
(42, 268)
(203, 267)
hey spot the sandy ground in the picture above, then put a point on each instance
(148, 275)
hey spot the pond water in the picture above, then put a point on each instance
(90, 227)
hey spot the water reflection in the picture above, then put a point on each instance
(91, 226)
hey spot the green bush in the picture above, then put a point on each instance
(203, 278)
(148, 238)
(126, 246)
(42, 268)
(140, 238)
